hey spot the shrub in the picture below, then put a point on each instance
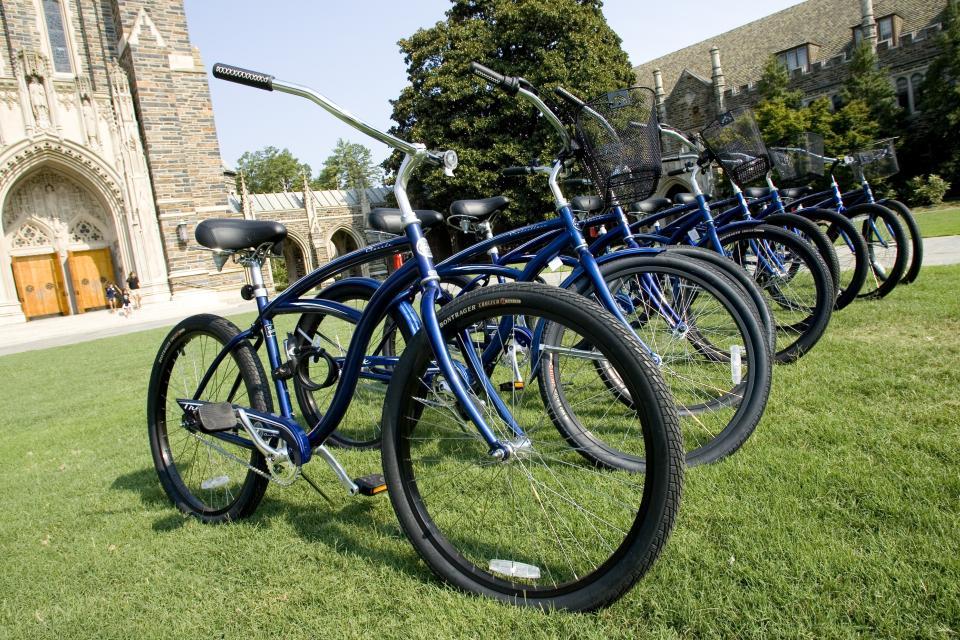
(926, 191)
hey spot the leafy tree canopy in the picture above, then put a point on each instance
(870, 84)
(350, 166)
(549, 42)
(940, 101)
(270, 170)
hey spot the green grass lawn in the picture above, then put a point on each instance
(939, 221)
(839, 518)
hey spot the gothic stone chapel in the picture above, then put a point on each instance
(109, 158)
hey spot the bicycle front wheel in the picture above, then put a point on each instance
(544, 527)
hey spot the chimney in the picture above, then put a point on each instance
(868, 26)
(658, 89)
(719, 82)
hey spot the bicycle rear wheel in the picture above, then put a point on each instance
(915, 237)
(710, 347)
(795, 279)
(205, 476)
(544, 527)
(851, 250)
(887, 247)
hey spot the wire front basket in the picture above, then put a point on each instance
(878, 162)
(800, 161)
(619, 138)
(734, 141)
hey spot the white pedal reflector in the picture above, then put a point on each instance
(215, 482)
(515, 569)
(736, 364)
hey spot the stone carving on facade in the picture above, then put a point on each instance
(38, 103)
(29, 236)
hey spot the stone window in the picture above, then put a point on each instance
(30, 236)
(903, 93)
(85, 232)
(887, 30)
(916, 88)
(908, 91)
(795, 58)
(57, 34)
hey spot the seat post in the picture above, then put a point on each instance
(254, 268)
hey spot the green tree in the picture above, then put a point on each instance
(350, 166)
(549, 42)
(870, 84)
(940, 102)
(270, 170)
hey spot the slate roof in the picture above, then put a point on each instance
(328, 199)
(744, 50)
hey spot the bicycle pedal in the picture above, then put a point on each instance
(516, 385)
(371, 485)
(217, 416)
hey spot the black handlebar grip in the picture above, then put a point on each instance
(677, 172)
(517, 171)
(253, 79)
(508, 83)
(569, 97)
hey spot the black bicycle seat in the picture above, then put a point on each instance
(687, 198)
(230, 234)
(756, 192)
(589, 204)
(389, 220)
(479, 209)
(651, 205)
(796, 192)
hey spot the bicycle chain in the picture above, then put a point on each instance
(244, 463)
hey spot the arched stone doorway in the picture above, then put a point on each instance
(295, 259)
(344, 242)
(62, 244)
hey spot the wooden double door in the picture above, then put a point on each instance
(90, 271)
(41, 287)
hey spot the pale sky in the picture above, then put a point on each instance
(348, 52)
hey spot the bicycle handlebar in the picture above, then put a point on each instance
(254, 79)
(569, 97)
(510, 84)
(518, 171)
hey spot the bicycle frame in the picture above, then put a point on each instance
(391, 295)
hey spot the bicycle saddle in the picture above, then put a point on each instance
(388, 220)
(651, 205)
(796, 192)
(230, 234)
(757, 192)
(479, 209)
(590, 204)
(687, 198)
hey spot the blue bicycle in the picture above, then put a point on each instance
(492, 496)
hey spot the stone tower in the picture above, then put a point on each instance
(169, 86)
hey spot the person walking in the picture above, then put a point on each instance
(126, 308)
(112, 296)
(133, 283)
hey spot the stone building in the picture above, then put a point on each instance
(109, 158)
(814, 40)
(321, 225)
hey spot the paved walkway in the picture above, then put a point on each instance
(54, 332)
(944, 250)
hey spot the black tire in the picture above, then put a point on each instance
(360, 428)
(172, 444)
(810, 232)
(737, 277)
(800, 323)
(916, 238)
(715, 420)
(462, 523)
(885, 271)
(855, 262)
